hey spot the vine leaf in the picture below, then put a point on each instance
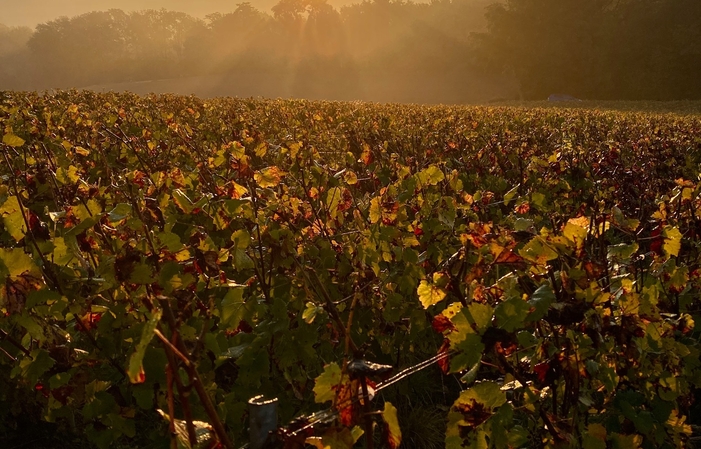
(232, 307)
(269, 177)
(511, 313)
(392, 431)
(487, 394)
(430, 294)
(430, 176)
(672, 242)
(39, 363)
(326, 385)
(595, 438)
(470, 353)
(135, 369)
(12, 140)
(15, 262)
(538, 251)
(13, 221)
(540, 302)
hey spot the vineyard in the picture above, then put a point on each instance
(168, 256)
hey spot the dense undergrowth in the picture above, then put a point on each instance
(185, 255)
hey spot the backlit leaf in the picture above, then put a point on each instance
(269, 177)
(430, 176)
(672, 241)
(12, 218)
(430, 294)
(135, 369)
(393, 433)
(538, 251)
(511, 314)
(327, 384)
(12, 140)
(232, 307)
(540, 302)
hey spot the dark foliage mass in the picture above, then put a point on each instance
(443, 51)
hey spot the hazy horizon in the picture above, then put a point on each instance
(32, 12)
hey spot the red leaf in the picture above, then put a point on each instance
(444, 363)
(522, 208)
(141, 377)
(508, 256)
(657, 241)
(442, 323)
(541, 370)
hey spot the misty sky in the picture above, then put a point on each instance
(32, 12)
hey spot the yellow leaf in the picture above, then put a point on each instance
(82, 151)
(430, 294)
(269, 177)
(394, 432)
(597, 431)
(12, 218)
(672, 242)
(375, 209)
(12, 140)
(69, 176)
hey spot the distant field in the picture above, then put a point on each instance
(373, 89)
(676, 107)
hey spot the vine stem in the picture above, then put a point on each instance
(171, 406)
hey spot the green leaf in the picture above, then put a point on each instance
(333, 199)
(538, 251)
(622, 251)
(470, 376)
(393, 431)
(540, 302)
(538, 199)
(326, 385)
(12, 140)
(34, 329)
(182, 201)
(510, 195)
(233, 307)
(142, 274)
(522, 224)
(470, 353)
(119, 213)
(487, 393)
(59, 380)
(33, 368)
(481, 315)
(511, 314)
(430, 294)
(135, 368)
(67, 177)
(241, 260)
(430, 176)
(475, 406)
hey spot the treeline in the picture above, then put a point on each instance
(598, 49)
(443, 51)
